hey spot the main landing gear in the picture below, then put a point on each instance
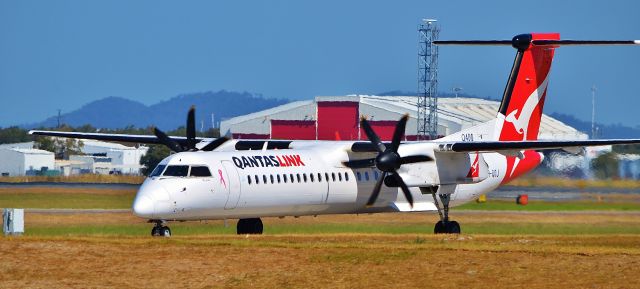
(249, 226)
(160, 230)
(444, 226)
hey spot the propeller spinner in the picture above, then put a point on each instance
(388, 160)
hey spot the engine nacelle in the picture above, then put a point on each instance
(446, 168)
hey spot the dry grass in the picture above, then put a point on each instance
(88, 178)
(321, 260)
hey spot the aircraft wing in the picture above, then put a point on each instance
(497, 146)
(147, 139)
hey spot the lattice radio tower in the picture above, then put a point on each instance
(428, 79)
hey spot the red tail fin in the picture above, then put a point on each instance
(521, 108)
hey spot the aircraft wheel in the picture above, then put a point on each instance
(249, 226)
(165, 231)
(453, 227)
(439, 228)
(155, 232)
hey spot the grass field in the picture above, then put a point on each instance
(66, 198)
(101, 198)
(585, 244)
(496, 250)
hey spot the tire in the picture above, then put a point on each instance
(249, 226)
(453, 227)
(165, 232)
(439, 228)
(155, 232)
(241, 227)
(256, 226)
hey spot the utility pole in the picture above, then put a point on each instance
(593, 111)
(59, 112)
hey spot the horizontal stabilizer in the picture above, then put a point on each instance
(496, 146)
(537, 42)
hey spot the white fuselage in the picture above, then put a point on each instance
(309, 180)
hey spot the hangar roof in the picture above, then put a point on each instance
(464, 112)
(30, 151)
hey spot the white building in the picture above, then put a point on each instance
(25, 161)
(20, 145)
(107, 158)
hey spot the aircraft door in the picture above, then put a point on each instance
(231, 181)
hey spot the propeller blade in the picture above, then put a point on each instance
(397, 134)
(215, 143)
(373, 137)
(405, 189)
(376, 190)
(415, 159)
(360, 164)
(191, 128)
(167, 141)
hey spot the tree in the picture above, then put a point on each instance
(627, 149)
(605, 166)
(155, 154)
(14, 134)
(61, 147)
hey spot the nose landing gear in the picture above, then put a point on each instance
(160, 230)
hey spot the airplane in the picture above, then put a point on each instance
(207, 179)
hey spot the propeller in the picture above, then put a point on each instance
(388, 160)
(191, 141)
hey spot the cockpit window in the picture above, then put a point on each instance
(176, 171)
(200, 171)
(157, 171)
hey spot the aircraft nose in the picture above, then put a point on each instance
(143, 207)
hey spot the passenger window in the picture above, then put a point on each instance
(257, 179)
(176, 171)
(304, 176)
(333, 176)
(366, 176)
(326, 177)
(346, 176)
(358, 176)
(278, 177)
(291, 178)
(298, 177)
(200, 171)
(271, 177)
(284, 177)
(319, 177)
(264, 179)
(311, 177)
(249, 179)
(339, 177)
(157, 171)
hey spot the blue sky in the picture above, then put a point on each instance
(63, 54)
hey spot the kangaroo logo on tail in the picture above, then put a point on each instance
(521, 123)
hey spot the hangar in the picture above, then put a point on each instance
(337, 118)
(18, 161)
